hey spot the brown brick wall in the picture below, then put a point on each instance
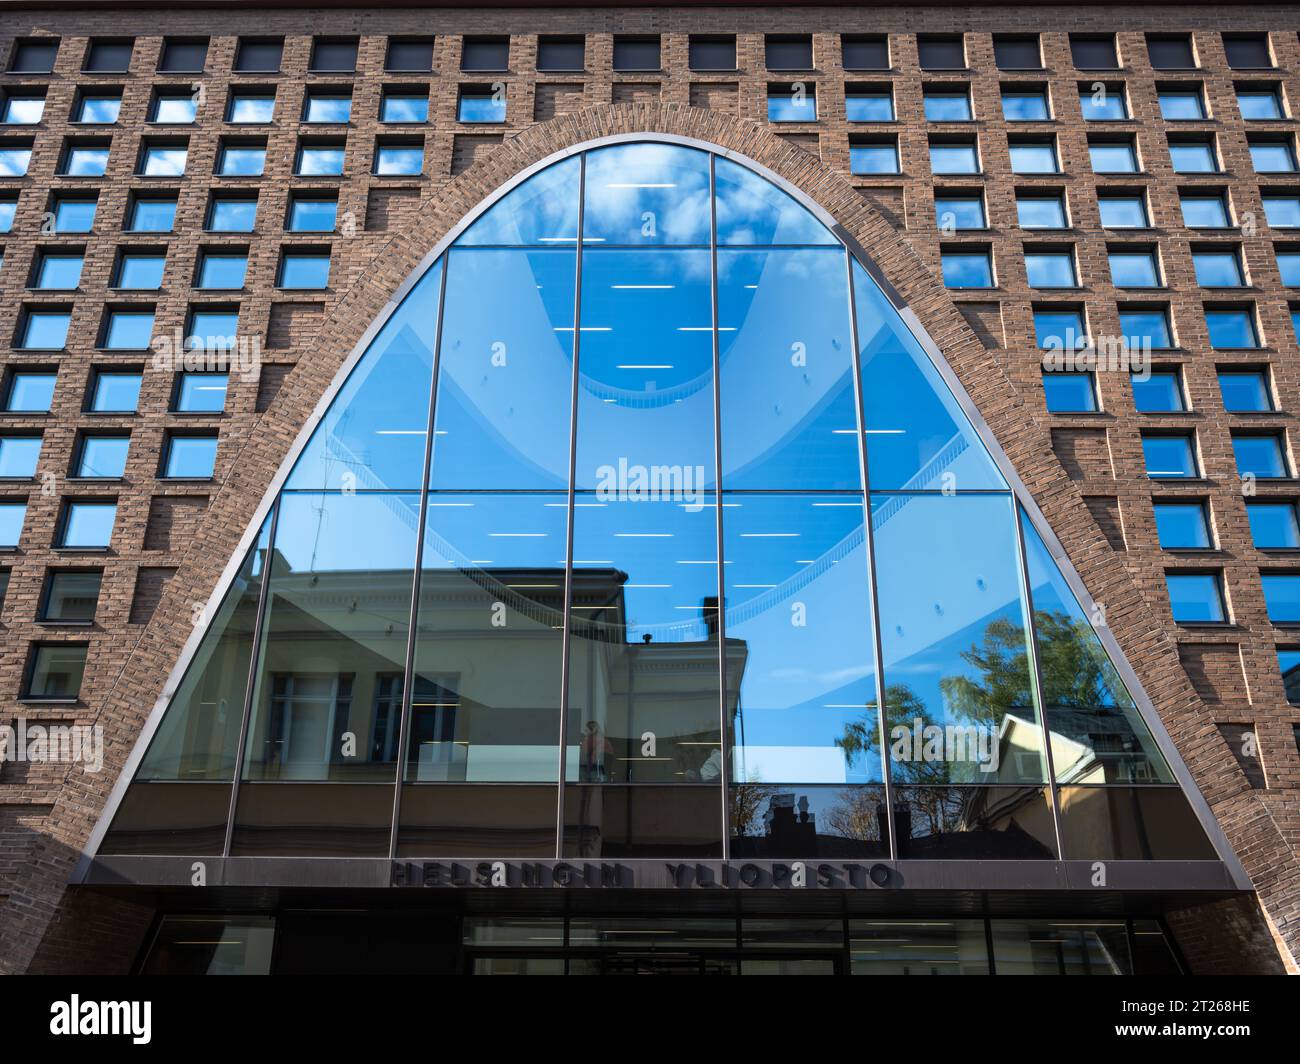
(987, 335)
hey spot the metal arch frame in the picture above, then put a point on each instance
(859, 254)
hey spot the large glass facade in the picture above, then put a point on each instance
(646, 527)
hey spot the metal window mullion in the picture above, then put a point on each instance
(870, 544)
(255, 651)
(566, 612)
(408, 673)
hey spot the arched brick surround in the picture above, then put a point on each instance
(44, 913)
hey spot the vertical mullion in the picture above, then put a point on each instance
(254, 652)
(870, 545)
(408, 674)
(566, 637)
(724, 775)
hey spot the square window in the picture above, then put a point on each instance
(1259, 104)
(792, 103)
(1218, 268)
(1273, 525)
(241, 160)
(18, 457)
(201, 393)
(1094, 51)
(1025, 105)
(1182, 105)
(1182, 526)
(45, 329)
(1123, 211)
(1145, 329)
(102, 457)
(14, 161)
(1050, 269)
(87, 525)
(967, 268)
(158, 161)
(1134, 269)
(636, 53)
(34, 56)
(941, 51)
(115, 392)
(873, 157)
(8, 209)
(29, 391)
(1288, 267)
(251, 108)
(788, 52)
(1034, 157)
(71, 597)
(258, 55)
(1194, 156)
(954, 157)
(98, 108)
(1282, 596)
(1105, 103)
(1158, 392)
(1060, 330)
(1245, 391)
(174, 109)
(139, 270)
(1196, 598)
(299, 269)
(213, 330)
(108, 57)
(312, 214)
(320, 160)
(56, 671)
(561, 53)
(485, 53)
(864, 51)
(1289, 662)
(1247, 51)
(1282, 212)
(190, 457)
(869, 106)
(1260, 456)
(328, 108)
(405, 106)
(480, 105)
(1272, 155)
(1040, 212)
(232, 214)
(1170, 51)
(409, 54)
(55, 270)
(1070, 393)
(1017, 52)
(1113, 156)
(85, 161)
(1206, 212)
(712, 53)
(331, 55)
(392, 159)
(1231, 328)
(183, 56)
(12, 516)
(222, 269)
(152, 214)
(947, 105)
(74, 215)
(1169, 456)
(959, 212)
(128, 330)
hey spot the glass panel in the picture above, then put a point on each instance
(374, 433)
(57, 670)
(1273, 525)
(799, 629)
(335, 638)
(789, 412)
(1196, 598)
(198, 945)
(958, 693)
(936, 823)
(534, 932)
(1169, 456)
(645, 389)
(1097, 733)
(645, 821)
(505, 370)
(1161, 391)
(1131, 824)
(771, 821)
(1282, 596)
(1182, 525)
(542, 210)
(920, 947)
(643, 194)
(491, 591)
(917, 435)
(466, 820)
(1052, 947)
(752, 210)
(71, 596)
(1259, 456)
(652, 932)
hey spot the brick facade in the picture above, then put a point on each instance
(172, 540)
